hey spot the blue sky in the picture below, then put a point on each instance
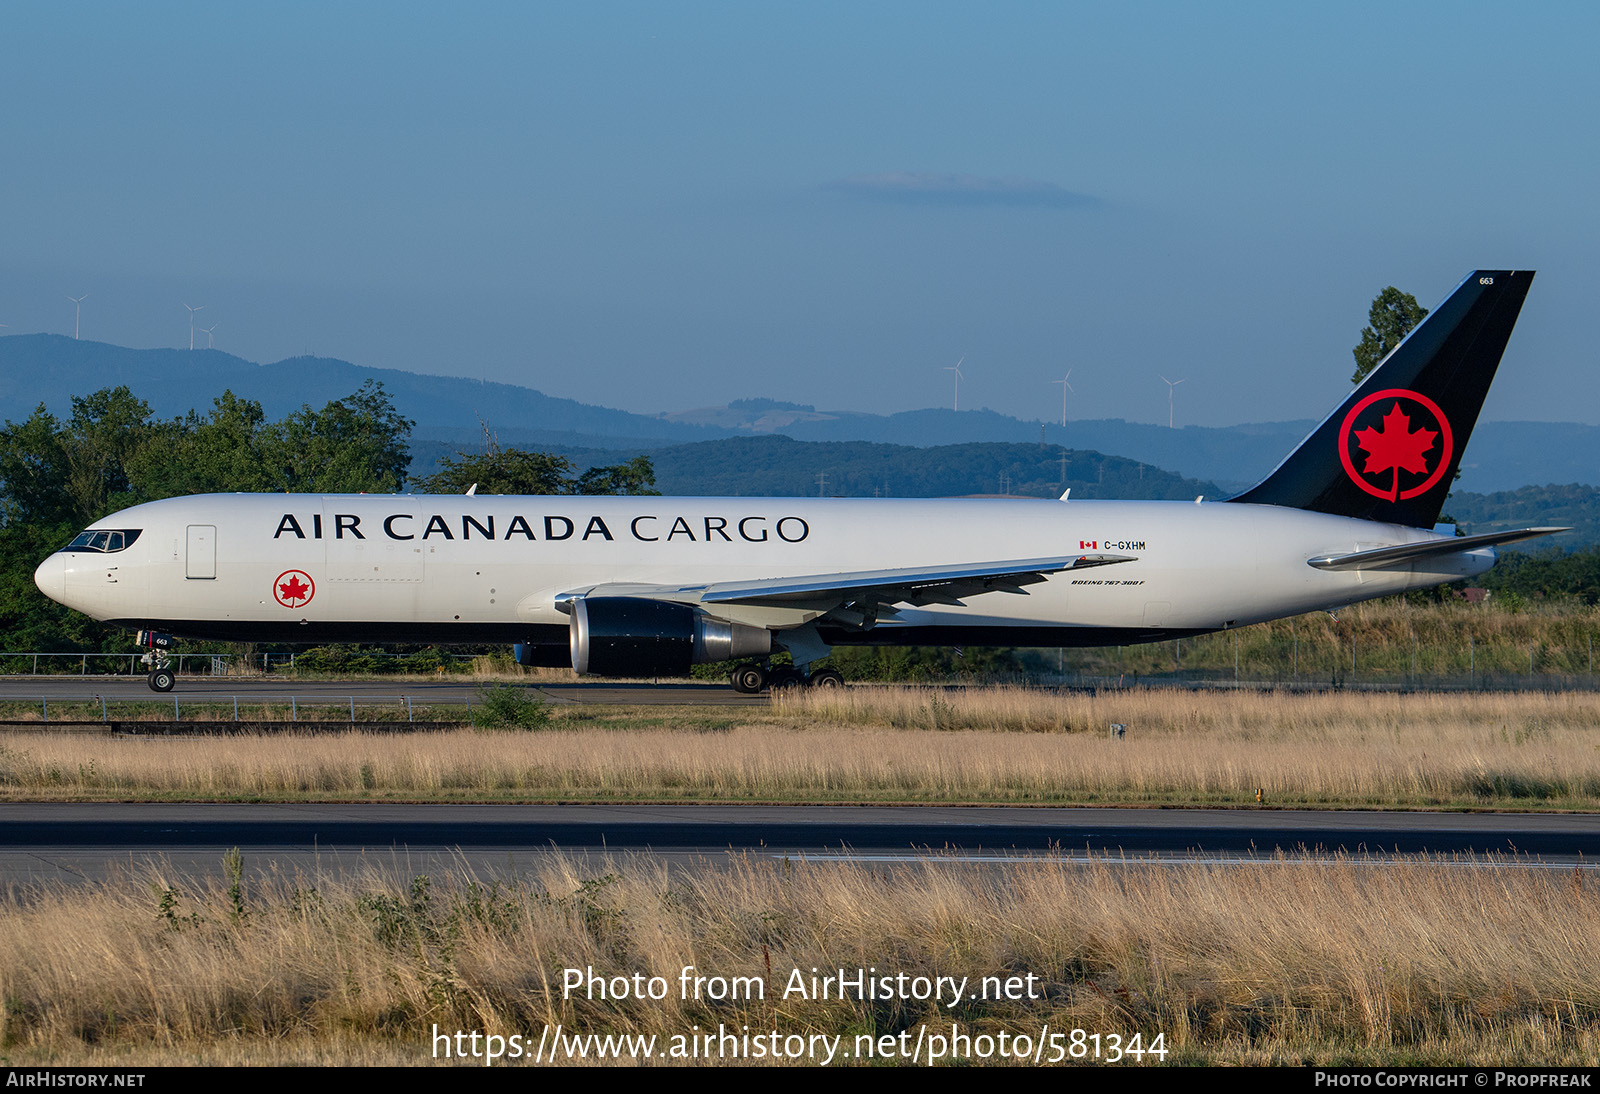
(658, 207)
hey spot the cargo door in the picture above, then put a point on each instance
(202, 556)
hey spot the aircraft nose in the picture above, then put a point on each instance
(51, 577)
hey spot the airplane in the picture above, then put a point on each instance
(649, 586)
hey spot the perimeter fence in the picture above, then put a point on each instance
(213, 664)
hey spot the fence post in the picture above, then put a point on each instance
(235, 708)
(103, 708)
(352, 710)
(294, 710)
(44, 704)
(410, 717)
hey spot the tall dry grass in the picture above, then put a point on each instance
(893, 744)
(1280, 961)
(1383, 640)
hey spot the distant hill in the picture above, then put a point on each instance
(777, 466)
(1572, 506)
(47, 368)
(50, 368)
(1501, 456)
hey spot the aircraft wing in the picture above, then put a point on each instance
(1407, 553)
(820, 592)
(940, 585)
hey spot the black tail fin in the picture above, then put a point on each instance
(1390, 453)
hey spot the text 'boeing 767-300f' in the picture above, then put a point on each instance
(643, 586)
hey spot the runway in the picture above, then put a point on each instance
(78, 842)
(443, 692)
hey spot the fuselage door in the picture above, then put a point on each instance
(202, 556)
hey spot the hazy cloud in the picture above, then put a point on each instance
(925, 188)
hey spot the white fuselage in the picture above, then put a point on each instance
(373, 566)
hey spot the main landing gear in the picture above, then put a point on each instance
(750, 678)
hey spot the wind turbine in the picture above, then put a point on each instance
(956, 368)
(1066, 386)
(77, 315)
(1170, 385)
(207, 332)
(202, 307)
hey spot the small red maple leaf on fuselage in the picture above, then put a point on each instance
(1396, 447)
(294, 589)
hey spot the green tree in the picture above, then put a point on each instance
(513, 471)
(637, 476)
(74, 471)
(229, 450)
(105, 430)
(499, 471)
(352, 445)
(1393, 315)
(33, 472)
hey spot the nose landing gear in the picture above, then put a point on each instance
(155, 659)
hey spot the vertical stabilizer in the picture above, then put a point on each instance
(1391, 451)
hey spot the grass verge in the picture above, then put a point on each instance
(1497, 750)
(1283, 961)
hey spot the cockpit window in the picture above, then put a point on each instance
(104, 542)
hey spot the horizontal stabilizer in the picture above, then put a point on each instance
(1407, 553)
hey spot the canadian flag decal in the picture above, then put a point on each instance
(1088, 544)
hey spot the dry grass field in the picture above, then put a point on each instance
(1010, 745)
(1284, 961)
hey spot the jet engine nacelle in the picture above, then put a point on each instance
(631, 636)
(545, 655)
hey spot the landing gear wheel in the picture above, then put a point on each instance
(748, 679)
(827, 679)
(162, 680)
(785, 677)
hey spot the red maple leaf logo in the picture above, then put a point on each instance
(294, 590)
(1396, 447)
